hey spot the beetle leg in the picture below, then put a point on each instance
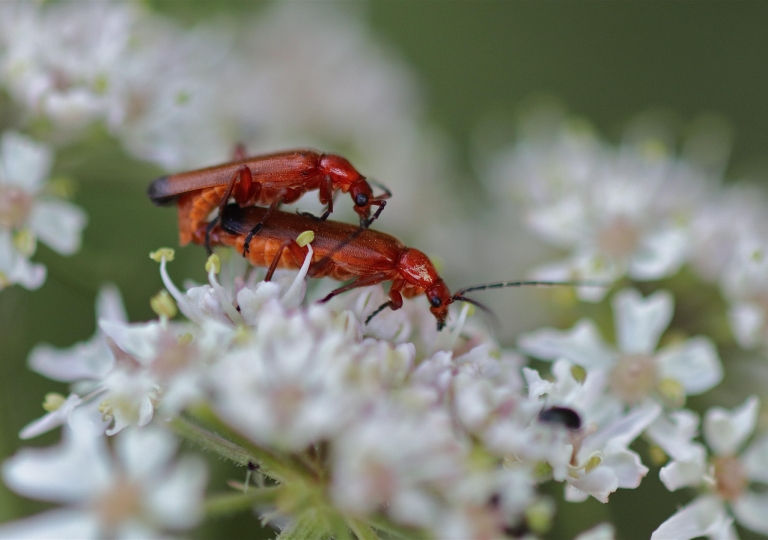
(365, 223)
(395, 302)
(363, 281)
(208, 230)
(260, 225)
(297, 251)
(326, 192)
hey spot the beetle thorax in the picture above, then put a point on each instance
(340, 170)
(417, 269)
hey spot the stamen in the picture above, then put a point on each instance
(221, 296)
(295, 293)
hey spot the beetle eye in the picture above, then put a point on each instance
(361, 199)
(435, 301)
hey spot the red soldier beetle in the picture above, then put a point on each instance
(343, 252)
(267, 180)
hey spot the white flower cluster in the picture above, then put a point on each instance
(448, 434)
(634, 211)
(185, 98)
(31, 209)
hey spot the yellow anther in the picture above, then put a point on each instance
(25, 241)
(539, 515)
(578, 373)
(213, 263)
(672, 392)
(164, 305)
(657, 455)
(53, 401)
(167, 253)
(186, 339)
(593, 462)
(305, 238)
(61, 187)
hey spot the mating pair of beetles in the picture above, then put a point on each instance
(254, 226)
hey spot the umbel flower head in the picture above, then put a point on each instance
(441, 436)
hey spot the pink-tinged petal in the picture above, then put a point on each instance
(90, 360)
(726, 431)
(659, 254)
(641, 321)
(145, 452)
(604, 531)
(678, 474)
(599, 483)
(53, 525)
(627, 467)
(751, 511)
(581, 345)
(72, 471)
(705, 516)
(178, 501)
(58, 224)
(755, 460)
(52, 420)
(694, 363)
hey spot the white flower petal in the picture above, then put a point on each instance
(675, 433)
(755, 460)
(59, 224)
(747, 322)
(139, 340)
(726, 431)
(660, 254)
(599, 483)
(145, 452)
(582, 345)
(16, 268)
(751, 511)
(73, 471)
(52, 420)
(109, 304)
(604, 531)
(90, 360)
(24, 163)
(53, 525)
(641, 321)
(705, 516)
(627, 467)
(177, 502)
(678, 474)
(694, 363)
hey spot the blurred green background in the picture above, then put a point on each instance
(476, 61)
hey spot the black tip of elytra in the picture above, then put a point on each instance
(158, 192)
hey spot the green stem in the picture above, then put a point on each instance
(230, 503)
(396, 531)
(362, 530)
(308, 526)
(234, 447)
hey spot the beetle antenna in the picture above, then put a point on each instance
(387, 193)
(495, 322)
(502, 284)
